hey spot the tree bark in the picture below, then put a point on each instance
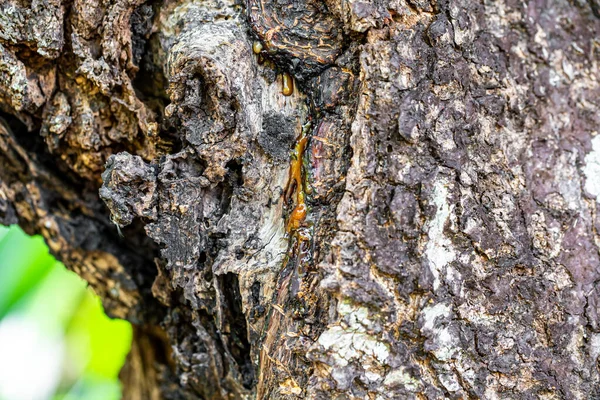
(378, 199)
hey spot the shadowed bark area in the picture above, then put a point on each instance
(378, 199)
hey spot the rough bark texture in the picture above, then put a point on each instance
(418, 219)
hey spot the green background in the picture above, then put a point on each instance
(53, 330)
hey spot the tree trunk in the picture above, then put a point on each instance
(378, 199)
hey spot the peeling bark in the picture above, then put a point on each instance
(414, 215)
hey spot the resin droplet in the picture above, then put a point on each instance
(257, 47)
(297, 217)
(288, 84)
(295, 183)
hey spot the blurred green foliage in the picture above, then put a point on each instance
(55, 340)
